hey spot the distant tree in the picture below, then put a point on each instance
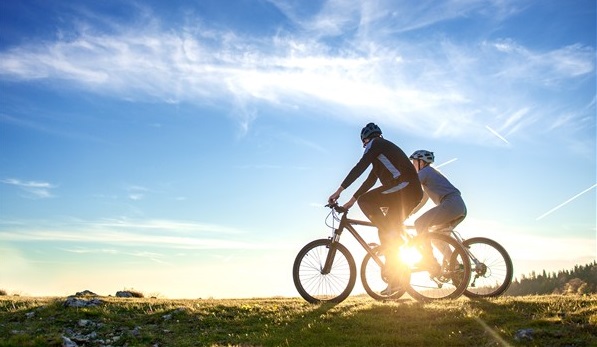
(581, 280)
(3, 292)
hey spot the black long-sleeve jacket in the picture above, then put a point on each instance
(390, 165)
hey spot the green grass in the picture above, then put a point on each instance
(358, 321)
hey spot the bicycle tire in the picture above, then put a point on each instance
(373, 279)
(451, 276)
(495, 272)
(316, 287)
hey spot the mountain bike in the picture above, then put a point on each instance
(324, 270)
(491, 265)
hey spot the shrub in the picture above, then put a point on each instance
(135, 293)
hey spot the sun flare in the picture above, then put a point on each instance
(410, 255)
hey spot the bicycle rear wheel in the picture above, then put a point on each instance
(443, 276)
(493, 275)
(314, 285)
(373, 278)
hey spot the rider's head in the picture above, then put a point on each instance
(423, 157)
(370, 131)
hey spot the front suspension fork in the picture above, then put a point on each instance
(329, 260)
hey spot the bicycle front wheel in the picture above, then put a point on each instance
(312, 283)
(440, 267)
(492, 275)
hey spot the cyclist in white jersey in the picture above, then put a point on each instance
(450, 207)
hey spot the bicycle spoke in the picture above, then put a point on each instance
(315, 286)
(493, 275)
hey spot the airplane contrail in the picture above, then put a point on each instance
(446, 163)
(566, 202)
(497, 134)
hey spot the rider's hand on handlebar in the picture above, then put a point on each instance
(334, 206)
(333, 199)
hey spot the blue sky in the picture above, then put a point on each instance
(186, 149)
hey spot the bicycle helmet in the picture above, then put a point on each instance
(423, 155)
(370, 130)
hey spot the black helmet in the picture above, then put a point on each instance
(370, 130)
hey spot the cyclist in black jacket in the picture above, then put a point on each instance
(400, 192)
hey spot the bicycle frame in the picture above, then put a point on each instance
(348, 224)
(324, 270)
(449, 229)
(440, 264)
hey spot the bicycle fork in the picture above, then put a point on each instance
(329, 261)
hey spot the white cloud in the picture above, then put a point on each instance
(33, 189)
(124, 232)
(153, 256)
(136, 192)
(449, 87)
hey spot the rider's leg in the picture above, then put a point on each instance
(434, 216)
(391, 224)
(370, 204)
(450, 209)
(399, 204)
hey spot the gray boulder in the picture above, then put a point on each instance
(124, 294)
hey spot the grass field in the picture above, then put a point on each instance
(358, 321)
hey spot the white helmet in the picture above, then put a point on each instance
(423, 155)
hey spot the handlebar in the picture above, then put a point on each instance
(337, 207)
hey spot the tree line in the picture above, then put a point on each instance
(578, 281)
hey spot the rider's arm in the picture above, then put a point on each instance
(335, 195)
(366, 185)
(421, 204)
(423, 178)
(361, 166)
(355, 173)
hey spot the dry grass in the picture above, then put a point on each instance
(358, 321)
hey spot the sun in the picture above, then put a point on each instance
(410, 255)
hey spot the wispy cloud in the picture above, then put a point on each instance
(161, 225)
(33, 189)
(447, 86)
(153, 256)
(125, 232)
(299, 141)
(136, 192)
